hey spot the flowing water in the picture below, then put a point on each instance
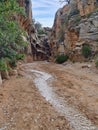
(77, 120)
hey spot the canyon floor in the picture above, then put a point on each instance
(48, 96)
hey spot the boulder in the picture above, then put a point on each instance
(5, 74)
(13, 72)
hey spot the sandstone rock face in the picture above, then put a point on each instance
(75, 25)
(86, 6)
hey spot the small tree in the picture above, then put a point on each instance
(11, 41)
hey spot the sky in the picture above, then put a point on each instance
(44, 11)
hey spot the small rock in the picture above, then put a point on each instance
(86, 66)
(52, 119)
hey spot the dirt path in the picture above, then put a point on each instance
(70, 102)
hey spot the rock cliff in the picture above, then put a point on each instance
(35, 50)
(75, 25)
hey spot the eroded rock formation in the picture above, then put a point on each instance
(35, 50)
(75, 25)
(86, 6)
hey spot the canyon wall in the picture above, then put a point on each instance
(35, 50)
(75, 25)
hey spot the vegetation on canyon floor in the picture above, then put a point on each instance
(61, 58)
(86, 51)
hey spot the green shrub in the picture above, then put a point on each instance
(20, 56)
(40, 32)
(61, 58)
(86, 51)
(3, 65)
(11, 40)
(13, 63)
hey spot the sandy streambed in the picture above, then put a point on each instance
(77, 120)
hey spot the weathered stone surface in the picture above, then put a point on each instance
(13, 72)
(86, 6)
(75, 24)
(89, 28)
(5, 74)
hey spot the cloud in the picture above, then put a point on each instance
(44, 11)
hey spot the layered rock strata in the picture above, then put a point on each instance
(75, 25)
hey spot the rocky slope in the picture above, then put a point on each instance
(75, 25)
